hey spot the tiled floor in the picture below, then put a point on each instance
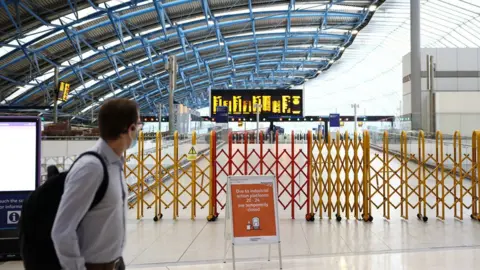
(323, 244)
(434, 259)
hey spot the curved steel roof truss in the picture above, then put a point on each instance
(119, 48)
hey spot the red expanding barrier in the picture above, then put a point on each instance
(288, 161)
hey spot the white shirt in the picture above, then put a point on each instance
(99, 235)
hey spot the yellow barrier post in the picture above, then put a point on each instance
(439, 141)
(457, 159)
(329, 177)
(347, 175)
(175, 175)
(386, 177)
(356, 172)
(320, 167)
(194, 180)
(476, 175)
(403, 175)
(158, 177)
(338, 180)
(422, 185)
(366, 176)
(139, 175)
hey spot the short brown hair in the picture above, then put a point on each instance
(115, 117)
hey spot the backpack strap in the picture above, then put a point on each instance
(104, 185)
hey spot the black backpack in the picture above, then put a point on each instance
(38, 215)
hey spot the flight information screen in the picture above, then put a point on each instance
(18, 155)
(276, 103)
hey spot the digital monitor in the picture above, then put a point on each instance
(19, 154)
(275, 103)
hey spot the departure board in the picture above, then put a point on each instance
(275, 102)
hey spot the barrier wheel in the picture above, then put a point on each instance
(419, 216)
(425, 219)
(158, 217)
(370, 218)
(211, 218)
(310, 217)
(339, 218)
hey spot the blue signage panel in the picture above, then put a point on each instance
(334, 120)
(221, 114)
(10, 209)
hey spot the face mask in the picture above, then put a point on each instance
(134, 139)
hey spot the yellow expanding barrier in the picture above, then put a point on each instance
(162, 178)
(336, 169)
(352, 176)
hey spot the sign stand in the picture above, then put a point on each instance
(252, 214)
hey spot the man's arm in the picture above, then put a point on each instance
(81, 184)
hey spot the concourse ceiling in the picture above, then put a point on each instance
(119, 48)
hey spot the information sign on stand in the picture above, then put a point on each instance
(252, 213)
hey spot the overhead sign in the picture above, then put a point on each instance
(63, 91)
(334, 120)
(221, 114)
(275, 102)
(192, 154)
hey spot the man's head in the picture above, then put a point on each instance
(119, 122)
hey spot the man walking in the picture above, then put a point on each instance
(94, 238)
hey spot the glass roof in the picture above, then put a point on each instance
(370, 71)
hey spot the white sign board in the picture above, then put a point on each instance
(252, 212)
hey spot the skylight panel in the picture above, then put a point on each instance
(21, 90)
(467, 6)
(465, 31)
(450, 8)
(457, 43)
(462, 39)
(435, 20)
(154, 29)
